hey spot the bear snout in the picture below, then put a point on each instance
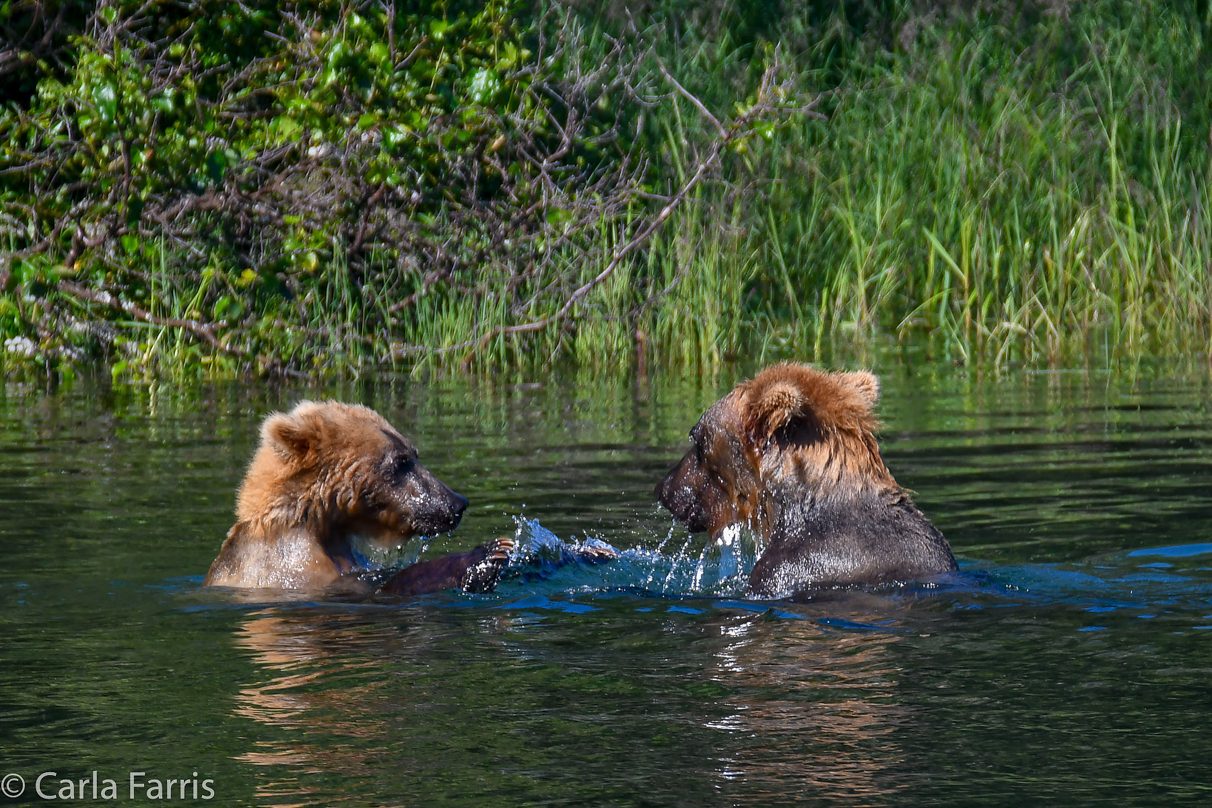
(664, 492)
(435, 508)
(457, 504)
(681, 499)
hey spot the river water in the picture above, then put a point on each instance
(1068, 663)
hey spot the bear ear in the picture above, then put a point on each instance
(784, 393)
(772, 406)
(865, 384)
(292, 436)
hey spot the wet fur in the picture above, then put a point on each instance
(323, 475)
(477, 570)
(793, 453)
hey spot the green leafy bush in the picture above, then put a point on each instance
(331, 186)
(291, 179)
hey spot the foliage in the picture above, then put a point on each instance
(1017, 182)
(322, 187)
(287, 184)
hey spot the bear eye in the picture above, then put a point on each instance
(401, 465)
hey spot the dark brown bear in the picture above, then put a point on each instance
(792, 453)
(326, 474)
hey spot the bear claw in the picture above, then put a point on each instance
(594, 554)
(483, 576)
(500, 549)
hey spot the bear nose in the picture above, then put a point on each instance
(666, 493)
(661, 493)
(460, 503)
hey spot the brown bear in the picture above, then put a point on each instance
(325, 474)
(792, 453)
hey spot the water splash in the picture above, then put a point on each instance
(372, 555)
(659, 548)
(717, 569)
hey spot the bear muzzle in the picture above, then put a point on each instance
(681, 497)
(434, 508)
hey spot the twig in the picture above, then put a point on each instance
(196, 328)
(738, 128)
(699, 105)
(202, 330)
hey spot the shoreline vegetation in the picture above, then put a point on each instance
(222, 189)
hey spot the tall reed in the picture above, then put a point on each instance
(1022, 194)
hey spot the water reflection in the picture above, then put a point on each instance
(298, 651)
(782, 706)
(812, 713)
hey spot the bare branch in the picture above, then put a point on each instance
(699, 105)
(768, 105)
(203, 331)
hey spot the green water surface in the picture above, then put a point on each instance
(1068, 664)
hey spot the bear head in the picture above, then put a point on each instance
(790, 433)
(337, 470)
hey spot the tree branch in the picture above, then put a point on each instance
(739, 128)
(201, 330)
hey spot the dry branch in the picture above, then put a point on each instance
(203, 331)
(769, 105)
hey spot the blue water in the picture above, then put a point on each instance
(544, 575)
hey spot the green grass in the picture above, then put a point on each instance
(1013, 204)
(1000, 186)
(1000, 195)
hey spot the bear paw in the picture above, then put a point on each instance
(595, 552)
(483, 576)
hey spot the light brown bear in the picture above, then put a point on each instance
(325, 474)
(792, 453)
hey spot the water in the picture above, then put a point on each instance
(1068, 663)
